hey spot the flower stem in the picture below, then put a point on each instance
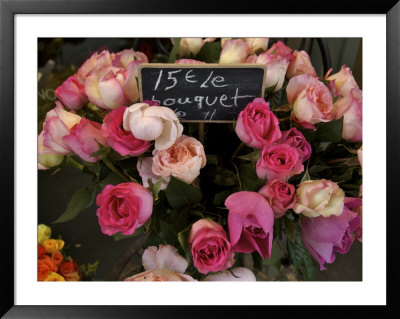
(115, 170)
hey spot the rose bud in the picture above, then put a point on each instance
(72, 93)
(234, 51)
(257, 44)
(192, 46)
(343, 82)
(300, 64)
(46, 158)
(70, 271)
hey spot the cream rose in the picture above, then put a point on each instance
(150, 123)
(319, 198)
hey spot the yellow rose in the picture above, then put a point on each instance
(53, 245)
(53, 276)
(44, 232)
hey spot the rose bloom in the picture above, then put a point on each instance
(319, 198)
(57, 257)
(41, 251)
(183, 160)
(44, 232)
(311, 100)
(234, 274)
(148, 123)
(280, 195)
(53, 245)
(250, 223)
(162, 264)
(45, 266)
(193, 46)
(325, 236)
(70, 271)
(210, 247)
(84, 138)
(144, 167)
(57, 124)
(257, 125)
(234, 51)
(355, 205)
(300, 64)
(122, 141)
(279, 161)
(46, 158)
(53, 276)
(123, 208)
(343, 82)
(72, 93)
(256, 44)
(277, 59)
(188, 61)
(296, 139)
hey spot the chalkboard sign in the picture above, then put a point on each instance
(202, 92)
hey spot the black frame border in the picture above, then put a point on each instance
(9, 8)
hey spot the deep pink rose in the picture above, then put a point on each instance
(123, 208)
(280, 195)
(311, 101)
(323, 236)
(83, 139)
(355, 205)
(257, 125)
(72, 93)
(296, 139)
(250, 223)
(124, 142)
(300, 64)
(279, 161)
(210, 247)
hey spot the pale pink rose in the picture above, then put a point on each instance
(193, 46)
(277, 60)
(234, 51)
(183, 160)
(359, 154)
(72, 93)
(300, 64)
(279, 161)
(234, 274)
(188, 61)
(350, 107)
(256, 44)
(123, 58)
(84, 138)
(144, 167)
(343, 82)
(159, 275)
(158, 123)
(57, 124)
(250, 223)
(311, 101)
(210, 247)
(46, 158)
(280, 195)
(123, 208)
(257, 125)
(95, 62)
(319, 198)
(296, 139)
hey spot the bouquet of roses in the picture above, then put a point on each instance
(280, 188)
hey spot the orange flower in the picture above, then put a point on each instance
(70, 271)
(45, 265)
(41, 251)
(53, 245)
(53, 276)
(57, 258)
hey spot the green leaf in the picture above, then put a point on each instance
(252, 157)
(257, 261)
(212, 159)
(168, 233)
(224, 177)
(153, 240)
(329, 131)
(155, 188)
(249, 178)
(111, 179)
(290, 229)
(220, 197)
(306, 176)
(174, 51)
(79, 201)
(179, 194)
(103, 151)
(118, 236)
(276, 255)
(210, 52)
(183, 240)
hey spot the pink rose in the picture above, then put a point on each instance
(123, 58)
(300, 64)
(359, 154)
(296, 139)
(57, 124)
(355, 205)
(234, 51)
(144, 167)
(95, 62)
(123, 208)
(279, 161)
(234, 274)
(250, 223)
(343, 82)
(183, 160)
(350, 107)
(188, 61)
(257, 125)
(277, 60)
(193, 46)
(323, 236)
(311, 100)
(280, 195)
(124, 142)
(210, 247)
(84, 138)
(46, 158)
(72, 93)
(162, 264)
(257, 44)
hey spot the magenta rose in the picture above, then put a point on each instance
(84, 138)
(123, 141)
(210, 247)
(294, 138)
(257, 125)
(280, 161)
(280, 195)
(325, 236)
(250, 223)
(72, 93)
(123, 208)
